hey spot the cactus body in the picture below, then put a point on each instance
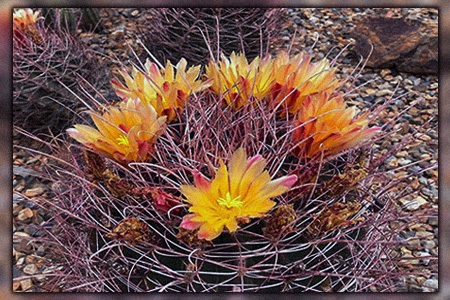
(44, 76)
(173, 33)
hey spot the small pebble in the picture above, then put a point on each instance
(30, 269)
(385, 72)
(370, 91)
(415, 203)
(423, 180)
(18, 236)
(431, 283)
(414, 170)
(413, 244)
(40, 251)
(425, 261)
(404, 162)
(25, 214)
(26, 284)
(433, 221)
(402, 154)
(34, 192)
(413, 288)
(119, 33)
(425, 138)
(30, 259)
(425, 156)
(17, 198)
(428, 244)
(407, 117)
(20, 261)
(420, 279)
(15, 285)
(17, 208)
(382, 93)
(392, 162)
(424, 235)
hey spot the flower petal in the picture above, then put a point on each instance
(188, 224)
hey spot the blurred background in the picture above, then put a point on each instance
(5, 159)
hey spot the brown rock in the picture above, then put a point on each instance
(34, 192)
(29, 259)
(26, 284)
(420, 280)
(19, 236)
(30, 269)
(40, 262)
(25, 214)
(410, 46)
(16, 285)
(20, 261)
(424, 235)
(16, 208)
(414, 244)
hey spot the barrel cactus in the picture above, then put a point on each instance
(72, 19)
(49, 67)
(172, 33)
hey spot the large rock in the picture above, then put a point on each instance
(409, 46)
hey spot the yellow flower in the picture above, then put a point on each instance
(237, 193)
(24, 24)
(166, 90)
(238, 81)
(284, 81)
(325, 124)
(126, 133)
(298, 77)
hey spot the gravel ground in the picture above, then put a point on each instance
(317, 31)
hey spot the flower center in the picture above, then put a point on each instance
(123, 140)
(229, 202)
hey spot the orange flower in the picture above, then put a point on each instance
(325, 124)
(298, 77)
(164, 88)
(238, 81)
(236, 194)
(24, 25)
(126, 133)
